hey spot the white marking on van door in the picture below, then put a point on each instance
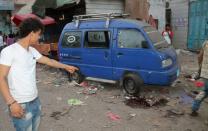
(71, 39)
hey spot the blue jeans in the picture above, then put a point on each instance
(31, 120)
(200, 97)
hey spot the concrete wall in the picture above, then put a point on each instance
(157, 10)
(104, 6)
(137, 9)
(180, 22)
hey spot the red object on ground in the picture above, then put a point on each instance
(18, 18)
(199, 84)
(113, 117)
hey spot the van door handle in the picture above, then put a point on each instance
(119, 54)
(105, 54)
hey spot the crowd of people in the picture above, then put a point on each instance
(6, 40)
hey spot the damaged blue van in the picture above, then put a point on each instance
(108, 47)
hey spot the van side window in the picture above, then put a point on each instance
(130, 38)
(97, 39)
(71, 40)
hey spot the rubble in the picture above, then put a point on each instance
(145, 102)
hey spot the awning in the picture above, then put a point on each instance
(40, 5)
(18, 18)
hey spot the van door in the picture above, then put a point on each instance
(97, 54)
(70, 48)
(133, 53)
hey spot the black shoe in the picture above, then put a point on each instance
(194, 113)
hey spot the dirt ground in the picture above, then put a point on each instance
(106, 109)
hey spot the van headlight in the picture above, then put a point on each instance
(167, 62)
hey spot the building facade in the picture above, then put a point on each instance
(179, 22)
(104, 6)
(157, 10)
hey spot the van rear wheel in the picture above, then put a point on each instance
(132, 83)
(77, 77)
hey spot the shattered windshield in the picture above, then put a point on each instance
(156, 38)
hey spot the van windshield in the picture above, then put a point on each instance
(158, 41)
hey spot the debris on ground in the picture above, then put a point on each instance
(173, 102)
(75, 102)
(57, 114)
(131, 115)
(145, 102)
(89, 87)
(192, 93)
(113, 116)
(185, 52)
(174, 112)
(199, 84)
(192, 77)
(109, 125)
(174, 84)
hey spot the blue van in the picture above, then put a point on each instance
(117, 49)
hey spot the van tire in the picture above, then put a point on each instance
(77, 77)
(132, 83)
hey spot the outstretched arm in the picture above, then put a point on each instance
(56, 64)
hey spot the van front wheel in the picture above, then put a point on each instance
(132, 83)
(77, 77)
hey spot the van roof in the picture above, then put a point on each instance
(100, 24)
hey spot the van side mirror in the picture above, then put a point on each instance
(145, 44)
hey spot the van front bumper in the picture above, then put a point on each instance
(166, 77)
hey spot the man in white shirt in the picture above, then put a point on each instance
(18, 76)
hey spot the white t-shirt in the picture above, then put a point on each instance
(167, 37)
(22, 73)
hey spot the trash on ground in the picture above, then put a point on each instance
(131, 115)
(57, 114)
(175, 83)
(192, 94)
(173, 102)
(174, 112)
(89, 88)
(109, 125)
(199, 84)
(75, 102)
(185, 52)
(145, 102)
(192, 77)
(113, 116)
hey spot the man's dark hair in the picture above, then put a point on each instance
(167, 25)
(29, 25)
